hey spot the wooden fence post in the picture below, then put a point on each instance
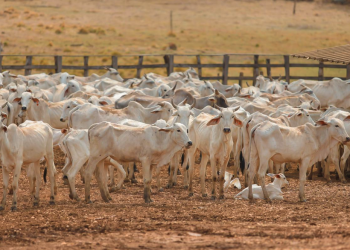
(169, 60)
(287, 68)
(1, 63)
(114, 62)
(256, 68)
(29, 60)
(268, 68)
(347, 70)
(139, 67)
(86, 65)
(58, 64)
(199, 66)
(225, 69)
(240, 79)
(320, 71)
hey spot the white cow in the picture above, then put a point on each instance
(149, 145)
(274, 189)
(25, 146)
(213, 137)
(6, 78)
(305, 145)
(88, 114)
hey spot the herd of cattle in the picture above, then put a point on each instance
(107, 122)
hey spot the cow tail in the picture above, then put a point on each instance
(251, 142)
(45, 174)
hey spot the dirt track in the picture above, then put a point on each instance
(174, 220)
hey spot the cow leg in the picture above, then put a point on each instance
(51, 171)
(122, 174)
(302, 179)
(172, 175)
(203, 168)
(89, 170)
(344, 158)
(31, 178)
(132, 172)
(214, 176)
(335, 158)
(327, 175)
(77, 165)
(309, 177)
(65, 169)
(5, 183)
(147, 179)
(283, 167)
(160, 189)
(36, 168)
(222, 178)
(111, 175)
(17, 172)
(261, 176)
(190, 172)
(101, 173)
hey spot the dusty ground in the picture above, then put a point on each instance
(176, 221)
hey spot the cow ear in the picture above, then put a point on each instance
(103, 103)
(299, 114)
(175, 113)
(3, 115)
(271, 175)
(17, 99)
(212, 99)
(229, 89)
(237, 122)
(321, 123)
(277, 176)
(158, 109)
(64, 130)
(347, 118)
(214, 121)
(4, 128)
(166, 129)
(36, 100)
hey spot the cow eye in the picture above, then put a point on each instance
(178, 130)
(20, 103)
(68, 107)
(307, 115)
(336, 126)
(187, 131)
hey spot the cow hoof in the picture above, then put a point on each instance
(2, 208)
(190, 194)
(52, 202)
(161, 190)
(65, 182)
(133, 181)
(185, 187)
(113, 189)
(252, 201)
(13, 208)
(344, 181)
(169, 186)
(302, 200)
(213, 198)
(35, 204)
(71, 196)
(88, 202)
(221, 197)
(204, 195)
(178, 172)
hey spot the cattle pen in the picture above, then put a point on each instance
(227, 68)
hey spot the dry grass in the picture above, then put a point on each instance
(200, 27)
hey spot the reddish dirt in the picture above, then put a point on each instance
(174, 220)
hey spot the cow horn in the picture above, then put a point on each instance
(216, 92)
(4, 105)
(161, 104)
(172, 102)
(236, 108)
(183, 103)
(175, 86)
(217, 107)
(280, 78)
(193, 103)
(270, 78)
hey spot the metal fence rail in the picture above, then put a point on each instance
(169, 65)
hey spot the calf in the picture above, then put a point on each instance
(148, 145)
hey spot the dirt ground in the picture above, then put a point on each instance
(174, 220)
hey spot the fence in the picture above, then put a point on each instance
(169, 65)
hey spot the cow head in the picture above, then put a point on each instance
(178, 135)
(299, 118)
(280, 179)
(234, 90)
(206, 89)
(191, 72)
(8, 77)
(218, 99)
(25, 99)
(165, 108)
(67, 107)
(71, 87)
(171, 92)
(114, 75)
(183, 113)
(162, 89)
(336, 128)
(225, 120)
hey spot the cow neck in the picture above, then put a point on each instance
(325, 142)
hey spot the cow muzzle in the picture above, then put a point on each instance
(62, 120)
(24, 108)
(227, 130)
(347, 139)
(188, 144)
